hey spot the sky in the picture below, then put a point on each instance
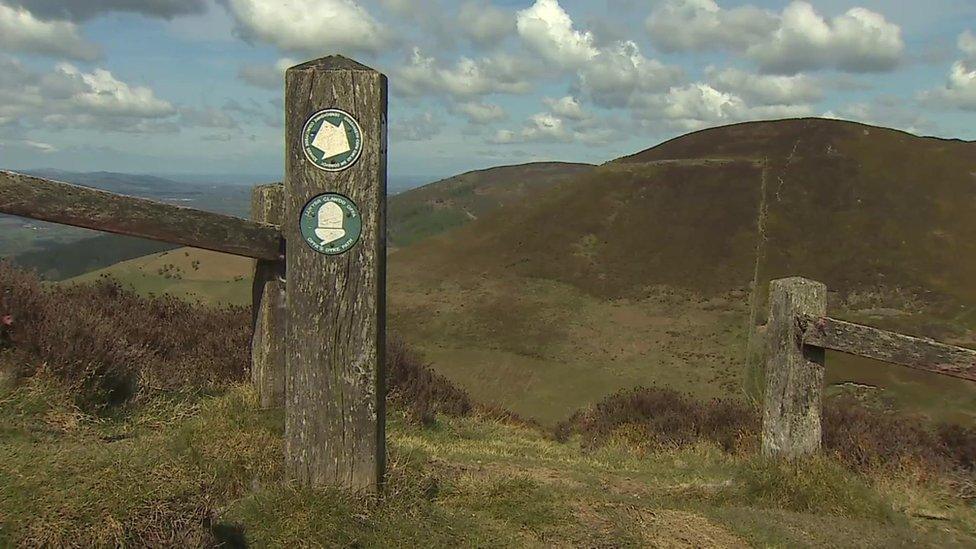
(196, 86)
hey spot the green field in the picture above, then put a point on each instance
(192, 274)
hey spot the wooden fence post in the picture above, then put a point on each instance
(794, 373)
(335, 209)
(268, 305)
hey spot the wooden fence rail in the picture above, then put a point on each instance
(798, 332)
(79, 206)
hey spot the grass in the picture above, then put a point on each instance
(188, 469)
(187, 273)
(544, 348)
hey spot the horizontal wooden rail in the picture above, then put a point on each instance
(47, 200)
(915, 352)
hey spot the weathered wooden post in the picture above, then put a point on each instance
(335, 209)
(794, 372)
(268, 305)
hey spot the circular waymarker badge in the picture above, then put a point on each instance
(332, 140)
(331, 224)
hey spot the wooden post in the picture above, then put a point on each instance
(794, 373)
(335, 209)
(268, 306)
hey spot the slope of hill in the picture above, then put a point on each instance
(158, 440)
(639, 271)
(562, 295)
(206, 472)
(189, 273)
(62, 260)
(850, 205)
(443, 205)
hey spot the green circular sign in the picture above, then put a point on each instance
(331, 224)
(332, 140)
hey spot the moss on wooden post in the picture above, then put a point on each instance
(335, 166)
(794, 372)
(268, 305)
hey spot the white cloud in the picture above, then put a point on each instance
(99, 92)
(547, 127)
(766, 89)
(795, 40)
(566, 107)
(480, 113)
(609, 75)
(680, 25)
(700, 105)
(967, 45)
(541, 127)
(269, 77)
(484, 23)
(421, 127)
(858, 41)
(468, 78)
(959, 90)
(889, 112)
(208, 117)
(547, 29)
(21, 31)
(40, 146)
(68, 97)
(79, 10)
(317, 27)
(619, 72)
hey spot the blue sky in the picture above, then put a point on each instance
(194, 86)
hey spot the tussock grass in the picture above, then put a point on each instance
(195, 469)
(197, 463)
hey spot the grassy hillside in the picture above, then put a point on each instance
(207, 470)
(189, 273)
(443, 205)
(127, 422)
(639, 271)
(851, 205)
(63, 260)
(568, 282)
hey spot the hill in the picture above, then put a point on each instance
(443, 205)
(639, 271)
(62, 260)
(850, 205)
(189, 273)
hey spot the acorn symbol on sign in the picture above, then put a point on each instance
(330, 223)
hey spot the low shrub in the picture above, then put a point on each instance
(412, 383)
(664, 418)
(864, 439)
(106, 342)
(861, 438)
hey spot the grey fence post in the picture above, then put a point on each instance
(268, 305)
(794, 372)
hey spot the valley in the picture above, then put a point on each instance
(543, 288)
